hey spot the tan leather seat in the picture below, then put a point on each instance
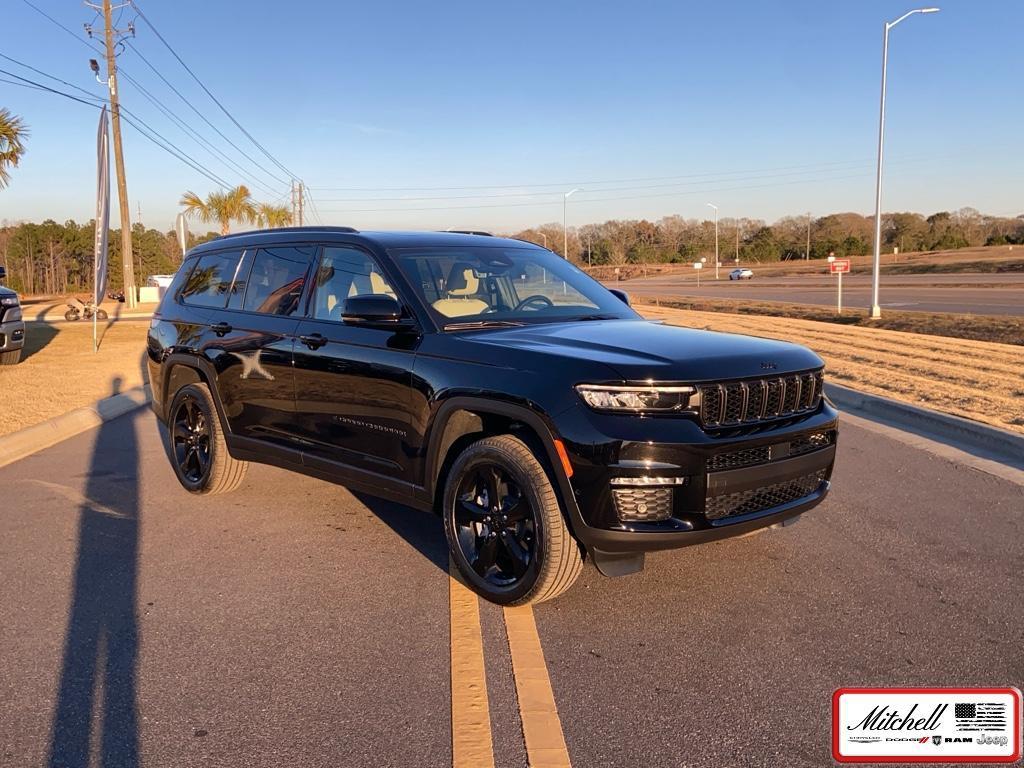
(462, 286)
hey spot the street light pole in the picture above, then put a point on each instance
(876, 309)
(565, 229)
(716, 238)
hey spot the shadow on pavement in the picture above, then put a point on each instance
(421, 530)
(102, 640)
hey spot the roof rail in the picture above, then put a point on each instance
(469, 232)
(306, 228)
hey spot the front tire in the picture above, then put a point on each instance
(101, 314)
(198, 452)
(506, 532)
(10, 358)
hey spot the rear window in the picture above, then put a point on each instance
(210, 281)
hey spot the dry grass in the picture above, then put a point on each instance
(979, 380)
(1004, 329)
(59, 371)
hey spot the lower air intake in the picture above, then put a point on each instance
(765, 497)
(642, 505)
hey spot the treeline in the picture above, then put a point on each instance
(677, 239)
(52, 258)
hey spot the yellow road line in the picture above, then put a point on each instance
(471, 717)
(542, 728)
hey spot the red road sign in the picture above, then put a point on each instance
(840, 266)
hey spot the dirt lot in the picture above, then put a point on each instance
(59, 372)
(975, 379)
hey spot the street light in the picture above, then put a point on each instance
(876, 309)
(565, 230)
(545, 238)
(716, 238)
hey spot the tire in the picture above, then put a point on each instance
(10, 358)
(196, 444)
(476, 527)
(101, 314)
(71, 315)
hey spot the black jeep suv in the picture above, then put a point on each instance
(492, 381)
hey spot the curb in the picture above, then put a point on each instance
(25, 442)
(973, 437)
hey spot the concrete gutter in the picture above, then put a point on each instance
(25, 442)
(971, 437)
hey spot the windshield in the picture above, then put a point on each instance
(465, 286)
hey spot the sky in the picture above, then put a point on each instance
(469, 114)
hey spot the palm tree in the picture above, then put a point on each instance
(12, 132)
(223, 207)
(269, 216)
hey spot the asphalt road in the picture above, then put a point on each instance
(980, 294)
(294, 624)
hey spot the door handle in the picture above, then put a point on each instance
(221, 328)
(313, 340)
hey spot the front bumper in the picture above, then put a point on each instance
(12, 334)
(723, 484)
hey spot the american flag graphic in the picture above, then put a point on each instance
(980, 716)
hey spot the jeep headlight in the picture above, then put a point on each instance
(651, 398)
(8, 301)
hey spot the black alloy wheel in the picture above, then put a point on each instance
(495, 525)
(190, 440)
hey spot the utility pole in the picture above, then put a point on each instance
(737, 242)
(807, 253)
(130, 294)
(297, 203)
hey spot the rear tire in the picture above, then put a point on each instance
(71, 315)
(10, 358)
(197, 449)
(527, 558)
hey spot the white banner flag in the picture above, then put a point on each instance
(102, 210)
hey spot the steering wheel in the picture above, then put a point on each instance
(537, 299)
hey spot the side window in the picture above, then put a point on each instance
(345, 272)
(241, 279)
(276, 279)
(210, 281)
(171, 294)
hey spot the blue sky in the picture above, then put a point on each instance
(764, 108)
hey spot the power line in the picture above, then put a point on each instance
(203, 117)
(136, 122)
(599, 199)
(592, 182)
(208, 92)
(121, 71)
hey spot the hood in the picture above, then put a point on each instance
(639, 349)
(4, 291)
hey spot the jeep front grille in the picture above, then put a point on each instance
(749, 402)
(759, 499)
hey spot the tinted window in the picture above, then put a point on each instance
(210, 281)
(345, 272)
(241, 279)
(276, 280)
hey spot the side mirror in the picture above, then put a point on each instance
(375, 311)
(621, 295)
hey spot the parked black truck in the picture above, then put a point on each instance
(12, 325)
(491, 381)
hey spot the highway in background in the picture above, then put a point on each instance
(962, 293)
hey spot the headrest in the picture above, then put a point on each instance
(462, 281)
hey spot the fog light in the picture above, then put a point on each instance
(643, 504)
